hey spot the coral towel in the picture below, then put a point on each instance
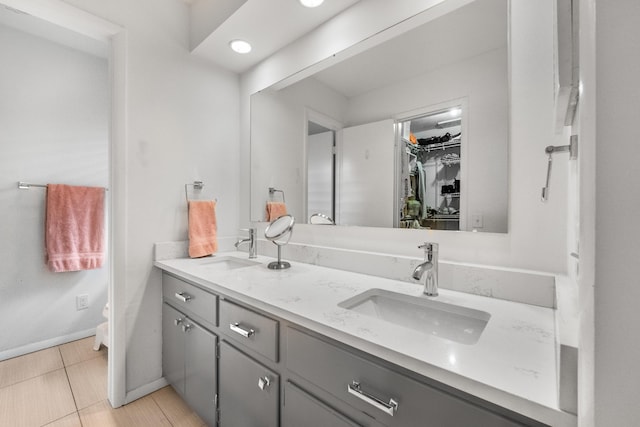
(202, 228)
(74, 228)
(275, 210)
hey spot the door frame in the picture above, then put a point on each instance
(80, 21)
(335, 126)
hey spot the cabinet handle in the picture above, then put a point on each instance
(183, 296)
(264, 382)
(388, 408)
(178, 321)
(187, 327)
(247, 333)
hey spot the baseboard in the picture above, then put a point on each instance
(145, 389)
(30, 348)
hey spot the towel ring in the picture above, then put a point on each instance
(197, 185)
(273, 190)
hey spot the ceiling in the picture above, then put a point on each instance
(268, 25)
(24, 22)
(471, 30)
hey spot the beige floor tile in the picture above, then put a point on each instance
(30, 365)
(37, 401)
(72, 420)
(80, 351)
(142, 412)
(175, 409)
(88, 381)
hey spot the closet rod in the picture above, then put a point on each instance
(26, 186)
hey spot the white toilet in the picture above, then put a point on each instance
(102, 331)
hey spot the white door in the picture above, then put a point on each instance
(367, 172)
(320, 174)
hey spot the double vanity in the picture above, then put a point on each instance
(311, 345)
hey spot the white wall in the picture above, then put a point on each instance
(182, 125)
(278, 130)
(616, 243)
(537, 231)
(54, 116)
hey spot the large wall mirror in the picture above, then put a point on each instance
(412, 133)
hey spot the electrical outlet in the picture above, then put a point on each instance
(476, 221)
(82, 302)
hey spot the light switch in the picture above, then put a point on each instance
(476, 221)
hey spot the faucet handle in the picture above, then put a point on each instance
(429, 246)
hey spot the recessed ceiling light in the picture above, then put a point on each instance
(311, 3)
(240, 46)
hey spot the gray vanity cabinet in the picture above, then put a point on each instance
(173, 339)
(324, 383)
(189, 361)
(249, 392)
(302, 409)
(389, 397)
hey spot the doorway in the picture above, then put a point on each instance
(74, 19)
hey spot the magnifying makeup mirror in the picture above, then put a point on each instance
(279, 232)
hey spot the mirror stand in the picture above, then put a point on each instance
(279, 264)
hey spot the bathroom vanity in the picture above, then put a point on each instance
(245, 345)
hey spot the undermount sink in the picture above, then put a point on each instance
(460, 324)
(226, 263)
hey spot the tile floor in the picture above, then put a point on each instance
(66, 386)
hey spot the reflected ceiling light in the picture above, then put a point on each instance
(450, 122)
(240, 46)
(311, 3)
(455, 112)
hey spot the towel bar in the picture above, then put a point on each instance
(26, 186)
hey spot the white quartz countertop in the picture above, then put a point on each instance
(513, 364)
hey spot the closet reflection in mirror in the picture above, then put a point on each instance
(364, 102)
(431, 167)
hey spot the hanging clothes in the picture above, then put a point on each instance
(422, 186)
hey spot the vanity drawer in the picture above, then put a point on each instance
(253, 330)
(378, 389)
(190, 298)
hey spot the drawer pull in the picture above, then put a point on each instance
(183, 296)
(264, 382)
(247, 333)
(389, 408)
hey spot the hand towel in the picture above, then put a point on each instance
(74, 228)
(202, 228)
(275, 210)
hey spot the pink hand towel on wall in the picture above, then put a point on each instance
(74, 228)
(202, 228)
(275, 210)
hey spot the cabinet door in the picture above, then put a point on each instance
(173, 341)
(200, 371)
(302, 409)
(249, 392)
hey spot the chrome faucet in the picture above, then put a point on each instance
(428, 270)
(253, 247)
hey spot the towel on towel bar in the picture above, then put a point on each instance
(74, 228)
(202, 228)
(275, 210)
